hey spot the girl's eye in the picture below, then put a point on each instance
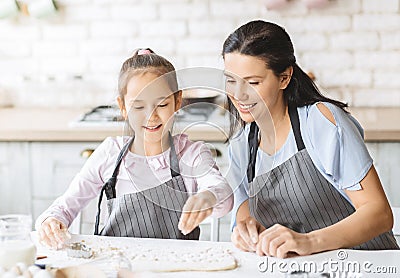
(138, 107)
(163, 105)
(230, 81)
(254, 82)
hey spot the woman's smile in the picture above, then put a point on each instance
(245, 108)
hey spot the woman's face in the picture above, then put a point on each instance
(251, 86)
(149, 105)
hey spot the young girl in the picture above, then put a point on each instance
(309, 183)
(149, 178)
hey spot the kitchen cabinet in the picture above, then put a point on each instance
(15, 176)
(386, 158)
(53, 166)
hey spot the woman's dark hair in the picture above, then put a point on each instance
(271, 43)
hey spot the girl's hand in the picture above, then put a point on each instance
(246, 234)
(196, 209)
(279, 241)
(53, 233)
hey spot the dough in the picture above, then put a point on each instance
(111, 254)
(194, 259)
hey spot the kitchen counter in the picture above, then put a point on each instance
(46, 124)
(56, 125)
(369, 263)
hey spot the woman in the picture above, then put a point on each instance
(306, 181)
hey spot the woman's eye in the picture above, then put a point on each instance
(138, 107)
(254, 82)
(230, 81)
(163, 105)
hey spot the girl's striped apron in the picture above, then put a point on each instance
(152, 213)
(296, 195)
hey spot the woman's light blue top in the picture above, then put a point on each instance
(338, 151)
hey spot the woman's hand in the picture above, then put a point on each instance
(246, 234)
(196, 209)
(53, 233)
(279, 241)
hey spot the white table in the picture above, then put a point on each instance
(248, 263)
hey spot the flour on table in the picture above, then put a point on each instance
(164, 259)
(190, 259)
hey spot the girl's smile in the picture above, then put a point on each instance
(152, 128)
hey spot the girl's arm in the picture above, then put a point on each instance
(214, 195)
(208, 178)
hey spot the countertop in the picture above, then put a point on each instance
(57, 125)
(47, 124)
(367, 263)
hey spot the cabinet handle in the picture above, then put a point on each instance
(87, 153)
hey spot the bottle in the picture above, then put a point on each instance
(16, 245)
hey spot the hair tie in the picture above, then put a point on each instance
(144, 52)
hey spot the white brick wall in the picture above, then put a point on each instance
(352, 46)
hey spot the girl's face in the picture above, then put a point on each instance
(149, 105)
(252, 87)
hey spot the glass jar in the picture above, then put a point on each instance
(15, 240)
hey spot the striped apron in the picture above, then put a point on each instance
(151, 213)
(296, 195)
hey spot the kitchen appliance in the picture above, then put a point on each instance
(198, 105)
(103, 115)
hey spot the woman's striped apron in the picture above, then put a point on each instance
(296, 195)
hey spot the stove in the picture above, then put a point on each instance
(201, 113)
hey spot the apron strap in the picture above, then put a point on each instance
(253, 147)
(253, 140)
(294, 119)
(174, 167)
(109, 186)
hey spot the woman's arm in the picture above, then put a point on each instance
(373, 216)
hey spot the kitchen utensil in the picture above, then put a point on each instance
(42, 8)
(79, 250)
(191, 96)
(8, 8)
